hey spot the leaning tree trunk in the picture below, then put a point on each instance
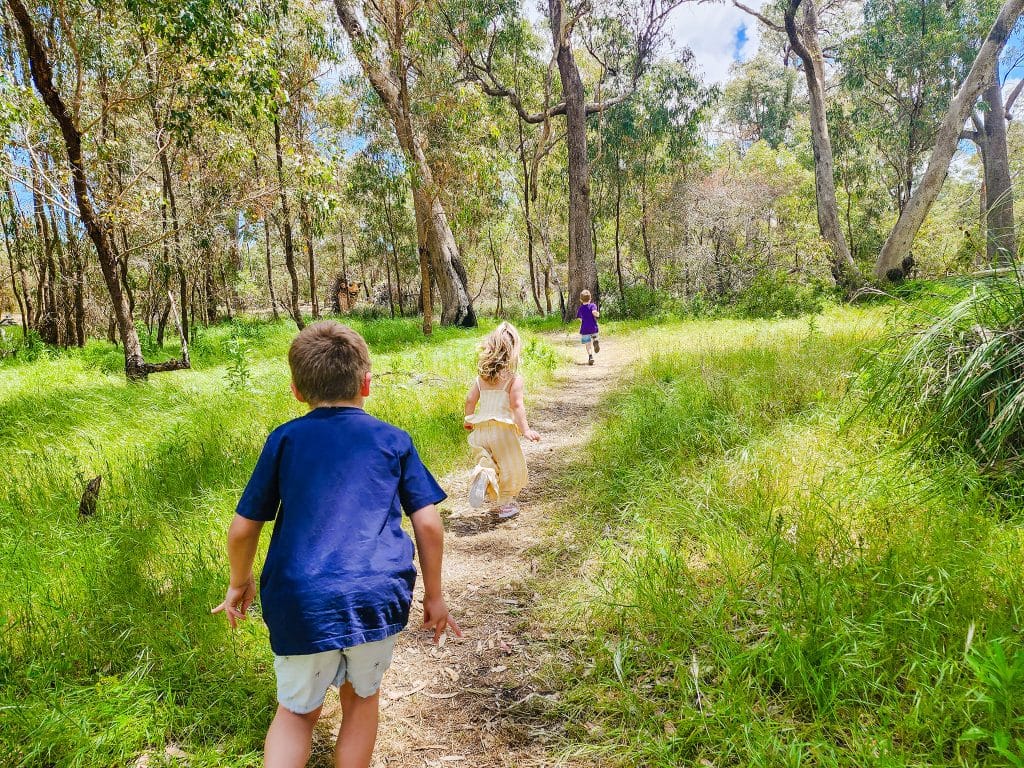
(443, 255)
(135, 366)
(1001, 244)
(889, 265)
(804, 41)
(286, 228)
(435, 233)
(582, 261)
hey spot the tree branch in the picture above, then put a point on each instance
(759, 16)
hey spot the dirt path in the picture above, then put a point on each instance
(478, 702)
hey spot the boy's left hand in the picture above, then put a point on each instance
(437, 618)
(237, 602)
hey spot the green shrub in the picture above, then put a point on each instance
(238, 371)
(779, 294)
(639, 301)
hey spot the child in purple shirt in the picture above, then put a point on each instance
(587, 315)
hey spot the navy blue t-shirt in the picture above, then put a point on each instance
(339, 569)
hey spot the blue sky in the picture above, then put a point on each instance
(721, 34)
(718, 35)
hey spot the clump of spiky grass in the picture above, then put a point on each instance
(952, 373)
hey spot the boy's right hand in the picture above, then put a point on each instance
(532, 435)
(237, 601)
(467, 425)
(437, 618)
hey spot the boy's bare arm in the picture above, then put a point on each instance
(518, 405)
(429, 533)
(243, 541)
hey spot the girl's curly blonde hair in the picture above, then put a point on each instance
(499, 353)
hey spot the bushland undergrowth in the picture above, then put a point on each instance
(771, 584)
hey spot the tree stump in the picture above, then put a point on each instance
(87, 506)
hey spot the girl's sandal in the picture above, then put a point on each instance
(506, 511)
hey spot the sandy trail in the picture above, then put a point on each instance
(478, 701)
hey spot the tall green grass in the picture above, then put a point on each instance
(767, 588)
(108, 646)
(951, 373)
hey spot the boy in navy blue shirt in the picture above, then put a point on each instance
(337, 583)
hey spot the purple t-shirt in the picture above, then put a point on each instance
(585, 314)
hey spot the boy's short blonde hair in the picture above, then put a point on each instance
(329, 362)
(499, 353)
(585, 296)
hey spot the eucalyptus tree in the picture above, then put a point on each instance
(621, 39)
(644, 140)
(891, 263)
(899, 69)
(92, 68)
(376, 184)
(802, 22)
(988, 132)
(384, 38)
(760, 99)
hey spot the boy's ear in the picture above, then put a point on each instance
(364, 390)
(298, 395)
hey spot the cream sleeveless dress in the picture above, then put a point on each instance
(495, 444)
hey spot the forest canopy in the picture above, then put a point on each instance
(171, 163)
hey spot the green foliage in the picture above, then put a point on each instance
(767, 589)
(641, 302)
(759, 99)
(779, 294)
(900, 68)
(239, 75)
(16, 347)
(999, 689)
(957, 378)
(238, 371)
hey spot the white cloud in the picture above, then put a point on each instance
(710, 31)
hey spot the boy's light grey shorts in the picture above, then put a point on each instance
(302, 681)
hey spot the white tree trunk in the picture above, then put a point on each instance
(890, 261)
(431, 220)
